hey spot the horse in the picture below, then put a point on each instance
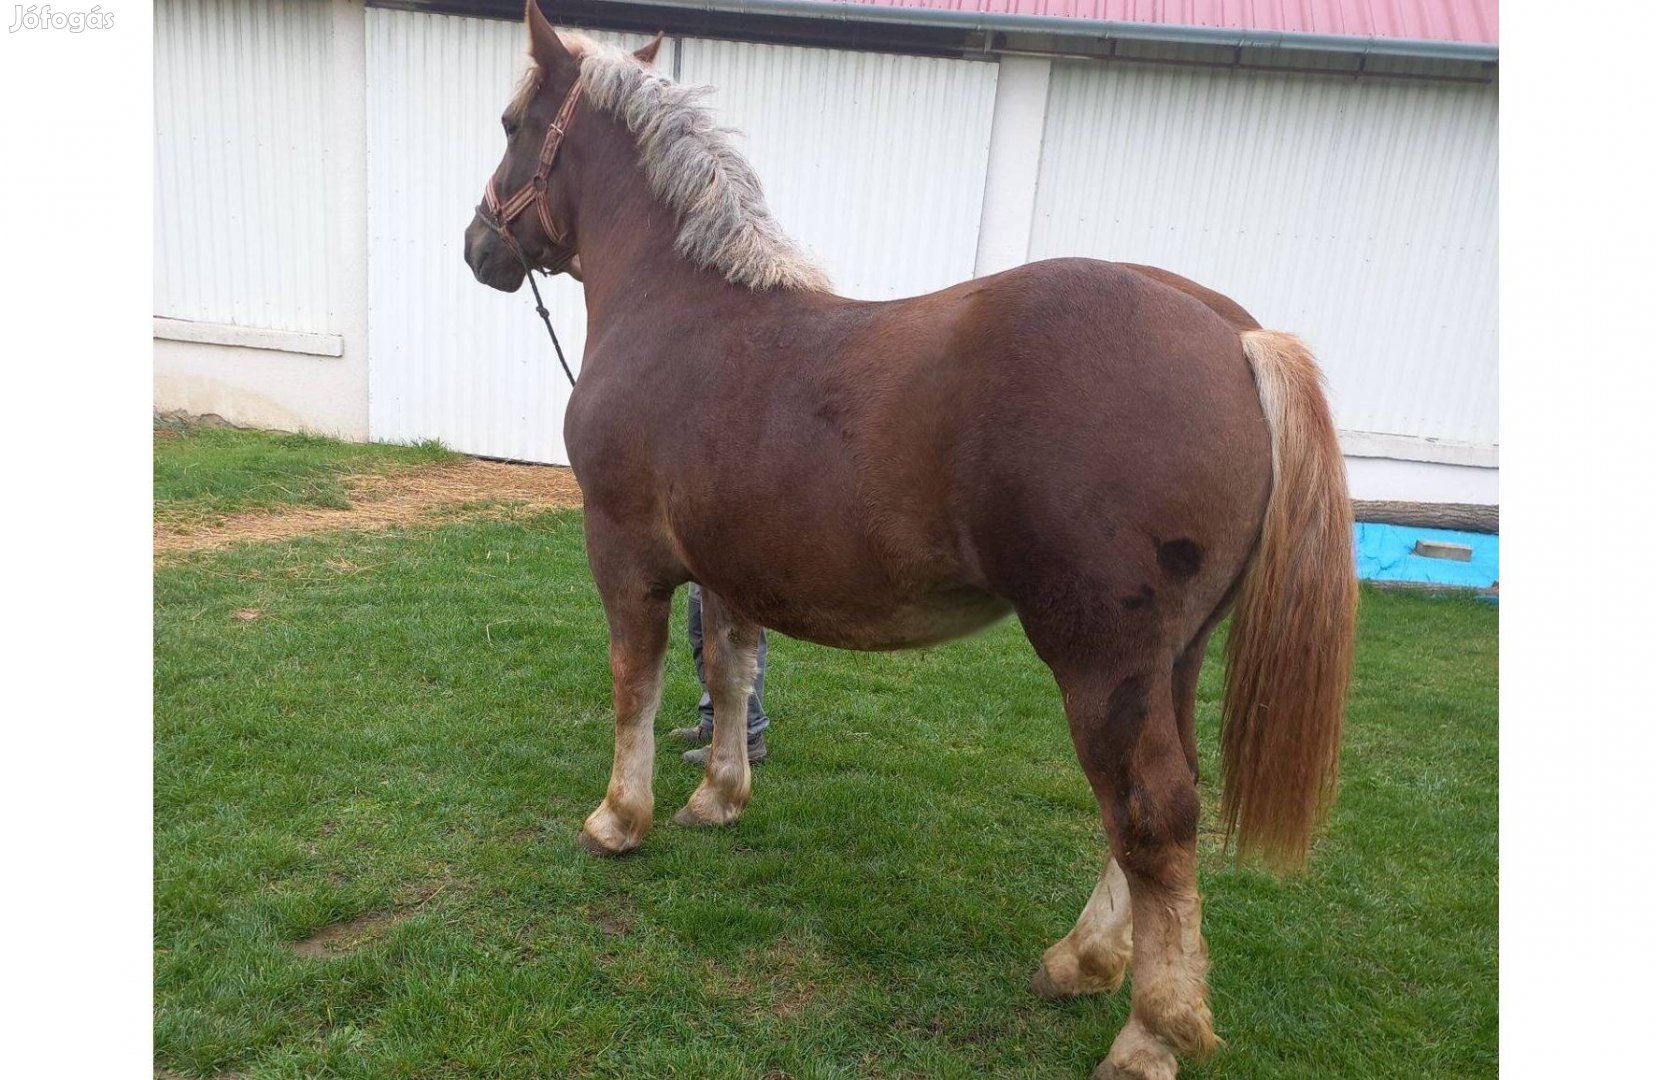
(1112, 453)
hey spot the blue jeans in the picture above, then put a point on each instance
(757, 721)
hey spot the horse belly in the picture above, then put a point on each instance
(906, 624)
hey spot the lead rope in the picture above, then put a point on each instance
(546, 317)
(529, 273)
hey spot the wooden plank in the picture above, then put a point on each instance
(1465, 517)
(1437, 549)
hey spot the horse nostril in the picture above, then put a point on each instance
(476, 253)
(475, 257)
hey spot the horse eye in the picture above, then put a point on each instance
(510, 126)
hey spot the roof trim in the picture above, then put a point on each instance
(1098, 29)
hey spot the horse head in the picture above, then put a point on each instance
(527, 216)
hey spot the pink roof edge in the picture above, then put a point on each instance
(1471, 21)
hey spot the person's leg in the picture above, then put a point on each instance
(757, 720)
(705, 707)
(702, 732)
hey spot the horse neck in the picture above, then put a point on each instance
(626, 236)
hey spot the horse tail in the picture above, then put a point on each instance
(1291, 637)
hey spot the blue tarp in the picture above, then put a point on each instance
(1386, 553)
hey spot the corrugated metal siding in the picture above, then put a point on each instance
(1360, 215)
(1428, 20)
(448, 357)
(241, 190)
(873, 161)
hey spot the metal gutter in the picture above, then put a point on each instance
(1276, 68)
(1105, 29)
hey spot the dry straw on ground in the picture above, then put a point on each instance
(464, 489)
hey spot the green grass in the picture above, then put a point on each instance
(205, 473)
(417, 724)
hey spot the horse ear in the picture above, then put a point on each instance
(545, 46)
(648, 53)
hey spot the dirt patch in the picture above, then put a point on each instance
(613, 922)
(460, 490)
(793, 987)
(779, 980)
(170, 425)
(341, 938)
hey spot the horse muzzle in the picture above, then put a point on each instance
(491, 263)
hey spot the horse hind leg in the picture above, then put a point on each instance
(1187, 675)
(731, 654)
(1093, 957)
(1126, 732)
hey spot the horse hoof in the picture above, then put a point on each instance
(593, 846)
(703, 817)
(1107, 980)
(1042, 985)
(710, 805)
(1137, 1055)
(1107, 1071)
(603, 834)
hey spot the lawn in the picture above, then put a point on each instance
(374, 750)
(204, 473)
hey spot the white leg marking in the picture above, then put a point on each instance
(623, 818)
(1092, 958)
(732, 665)
(1170, 1007)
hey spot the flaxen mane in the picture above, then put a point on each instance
(693, 166)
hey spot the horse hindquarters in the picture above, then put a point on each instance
(1128, 683)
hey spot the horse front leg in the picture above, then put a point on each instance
(730, 650)
(638, 645)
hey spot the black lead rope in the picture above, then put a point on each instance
(546, 317)
(529, 273)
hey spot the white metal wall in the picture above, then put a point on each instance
(876, 163)
(1360, 214)
(241, 186)
(449, 358)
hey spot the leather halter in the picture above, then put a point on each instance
(498, 215)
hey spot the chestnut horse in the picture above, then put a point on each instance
(1114, 454)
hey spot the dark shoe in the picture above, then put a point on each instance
(756, 753)
(700, 735)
